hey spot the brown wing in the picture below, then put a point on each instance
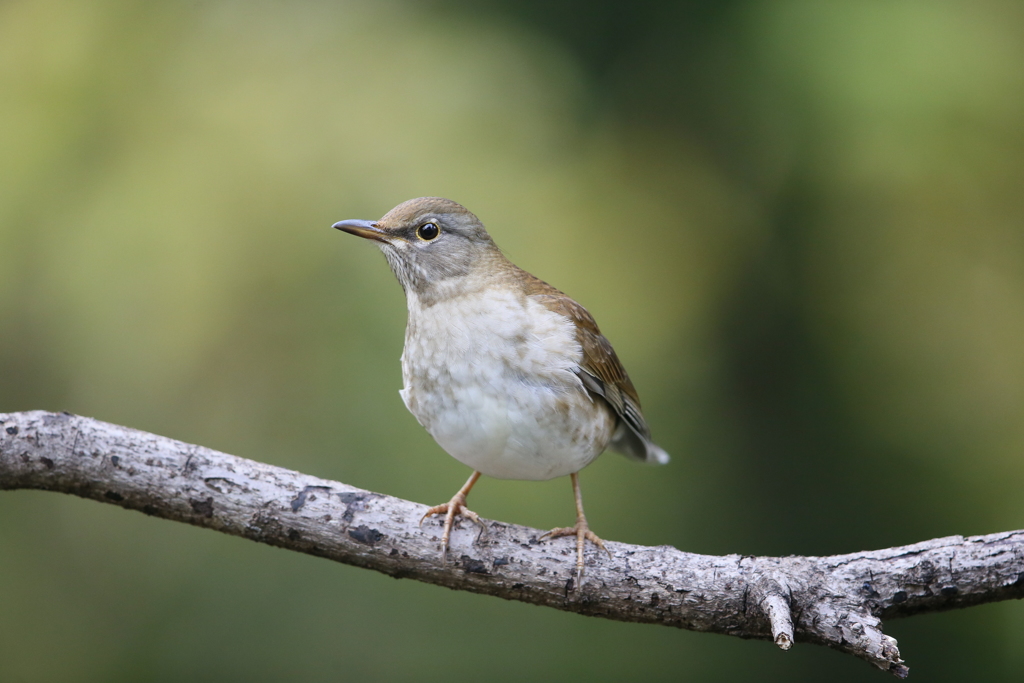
(602, 373)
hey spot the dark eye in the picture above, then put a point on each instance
(428, 231)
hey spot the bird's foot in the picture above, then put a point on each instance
(452, 509)
(583, 534)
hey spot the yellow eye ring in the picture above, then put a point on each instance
(428, 231)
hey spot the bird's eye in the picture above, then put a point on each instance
(428, 231)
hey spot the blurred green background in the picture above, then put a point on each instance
(800, 223)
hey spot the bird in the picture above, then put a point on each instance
(509, 375)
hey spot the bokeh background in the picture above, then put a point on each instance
(801, 223)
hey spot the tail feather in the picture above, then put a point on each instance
(656, 455)
(636, 446)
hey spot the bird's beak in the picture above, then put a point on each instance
(366, 229)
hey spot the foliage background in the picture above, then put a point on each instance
(799, 222)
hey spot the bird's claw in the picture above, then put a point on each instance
(452, 509)
(583, 534)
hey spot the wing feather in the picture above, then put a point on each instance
(602, 373)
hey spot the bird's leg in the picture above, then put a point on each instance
(456, 506)
(581, 531)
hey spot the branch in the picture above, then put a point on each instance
(838, 601)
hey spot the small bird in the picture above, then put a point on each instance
(509, 375)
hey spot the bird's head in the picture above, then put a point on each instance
(430, 243)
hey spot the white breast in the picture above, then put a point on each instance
(492, 377)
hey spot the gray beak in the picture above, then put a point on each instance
(365, 229)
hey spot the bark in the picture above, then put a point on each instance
(838, 601)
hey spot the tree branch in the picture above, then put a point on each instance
(838, 601)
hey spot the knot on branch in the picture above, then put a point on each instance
(823, 609)
(861, 634)
(839, 617)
